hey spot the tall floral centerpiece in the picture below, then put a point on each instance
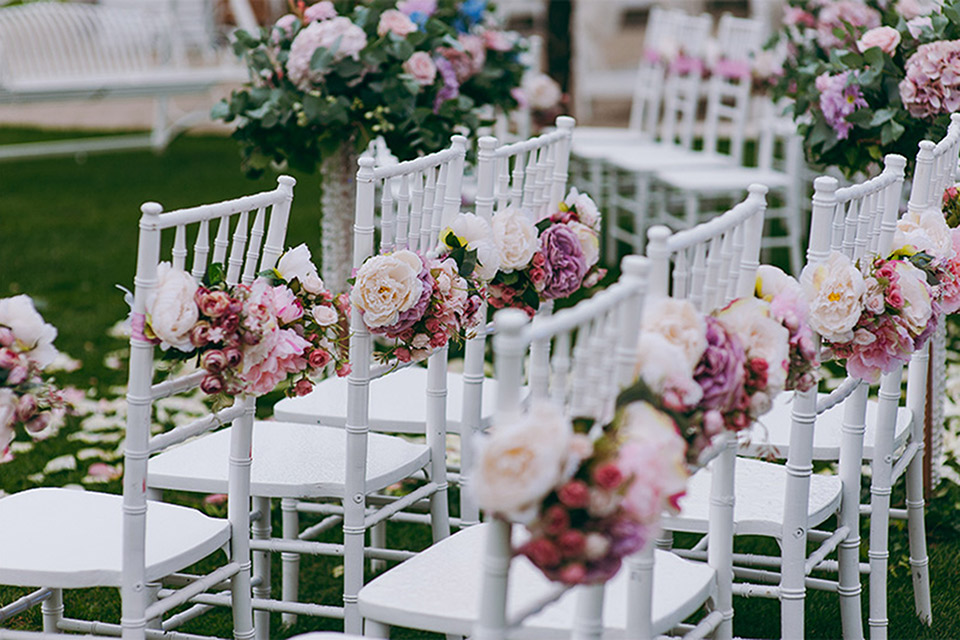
(870, 78)
(330, 77)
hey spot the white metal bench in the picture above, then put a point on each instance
(55, 51)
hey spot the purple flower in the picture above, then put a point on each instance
(720, 370)
(626, 536)
(839, 99)
(451, 86)
(411, 316)
(565, 264)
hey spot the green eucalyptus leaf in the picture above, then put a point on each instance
(891, 131)
(215, 274)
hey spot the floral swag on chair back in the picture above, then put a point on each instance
(330, 77)
(870, 78)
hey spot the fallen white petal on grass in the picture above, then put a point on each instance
(61, 463)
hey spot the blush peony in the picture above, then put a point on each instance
(386, 286)
(834, 290)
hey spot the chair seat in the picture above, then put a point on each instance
(593, 143)
(397, 402)
(771, 436)
(760, 488)
(644, 159)
(439, 590)
(722, 179)
(290, 460)
(63, 538)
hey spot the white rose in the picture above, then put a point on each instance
(516, 237)
(171, 309)
(925, 230)
(34, 337)
(521, 461)
(586, 208)
(596, 545)
(916, 298)
(541, 90)
(749, 319)
(589, 242)
(681, 324)
(477, 234)
(772, 281)
(663, 366)
(297, 263)
(387, 285)
(834, 291)
(324, 316)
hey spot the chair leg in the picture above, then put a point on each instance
(919, 563)
(641, 202)
(848, 554)
(353, 563)
(882, 467)
(290, 587)
(378, 540)
(52, 610)
(437, 441)
(261, 529)
(374, 629)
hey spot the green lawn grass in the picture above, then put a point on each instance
(68, 232)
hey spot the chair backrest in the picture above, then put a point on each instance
(728, 89)
(714, 262)
(249, 237)
(936, 168)
(682, 87)
(596, 338)
(531, 173)
(527, 174)
(659, 34)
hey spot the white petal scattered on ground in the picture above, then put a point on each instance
(92, 454)
(21, 446)
(121, 329)
(94, 438)
(61, 463)
(100, 472)
(74, 487)
(113, 362)
(63, 362)
(99, 422)
(36, 478)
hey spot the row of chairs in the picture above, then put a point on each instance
(439, 589)
(641, 170)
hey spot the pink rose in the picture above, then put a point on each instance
(474, 45)
(574, 494)
(27, 407)
(497, 40)
(573, 573)
(200, 334)
(234, 356)
(211, 384)
(421, 66)
(8, 358)
(556, 520)
(323, 10)
(887, 38)
(395, 22)
(214, 361)
(542, 553)
(303, 387)
(212, 303)
(288, 307)
(608, 476)
(572, 543)
(319, 358)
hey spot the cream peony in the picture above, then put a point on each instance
(834, 291)
(681, 324)
(927, 231)
(33, 336)
(750, 320)
(171, 310)
(916, 297)
(298, 263)
(516, 237)
(887, 38)
(664, 367)
(586, 208)
(589, 242)
(387, 285)
(772, 281)
(521, 461)
(478, 235)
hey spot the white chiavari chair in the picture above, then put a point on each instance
(632, 167)
(58, 539)
(787, 501)
(459, 586)
(339, 470)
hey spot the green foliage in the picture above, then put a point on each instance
(350, 101)
(884, 125)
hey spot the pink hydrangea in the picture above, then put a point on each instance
(932, 82)
(339, 32)
(323, 10)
